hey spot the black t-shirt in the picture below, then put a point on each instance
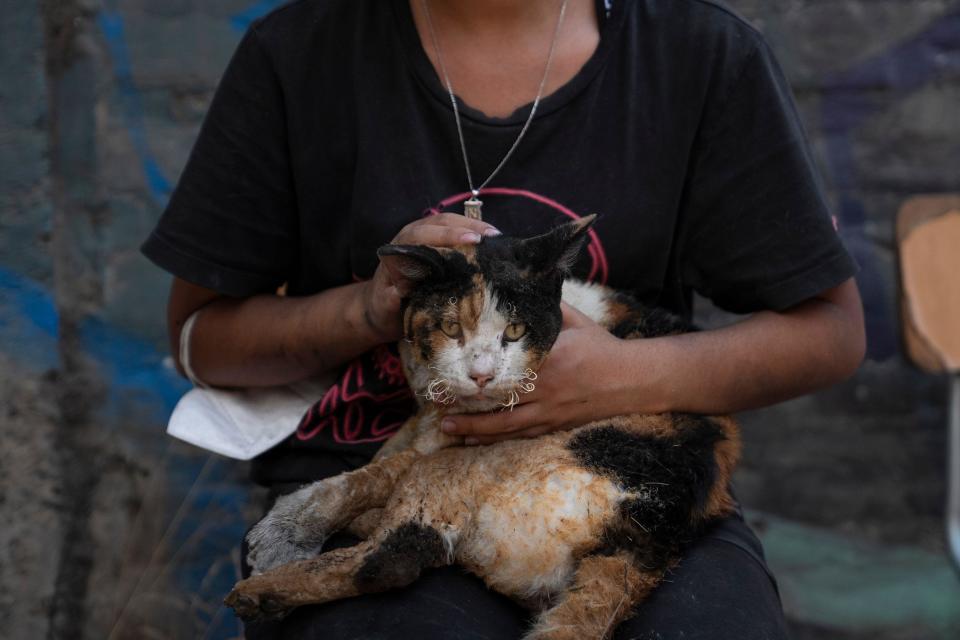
(330, 131)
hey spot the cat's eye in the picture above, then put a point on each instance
(514, 331)
(451, 328)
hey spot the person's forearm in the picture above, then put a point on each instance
(270, 340)
(765, 359)
(590, 375)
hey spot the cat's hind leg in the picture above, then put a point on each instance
(604, 592)
(394, 559)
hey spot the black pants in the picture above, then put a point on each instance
(722, 590)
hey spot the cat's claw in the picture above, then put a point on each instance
(252, 606)
(247, 607)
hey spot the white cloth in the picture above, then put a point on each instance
(243, 423)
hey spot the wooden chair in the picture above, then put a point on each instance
(928, 236)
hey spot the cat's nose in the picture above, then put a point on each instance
(481, 369)
(481, 379)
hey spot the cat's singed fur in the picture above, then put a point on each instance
(579, 524)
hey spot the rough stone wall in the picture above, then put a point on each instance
(114, 530)
(877, 84)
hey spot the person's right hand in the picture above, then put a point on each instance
(382, 294)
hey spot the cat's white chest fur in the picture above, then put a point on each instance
(588, 298)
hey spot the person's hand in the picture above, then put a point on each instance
(575, 385)
(382, 294)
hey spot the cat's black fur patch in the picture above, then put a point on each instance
(400, 558)
(454, 280)
(527, 276)
(524, 294)
(421, 337)
(673, 474)
(642, 321)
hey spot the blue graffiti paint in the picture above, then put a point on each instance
(29, 324)
(28, 313)
(132, 367)
(138, 384)
(850, 98)
(111, 25)
(241, 21)
(30, 299)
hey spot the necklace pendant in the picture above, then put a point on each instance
(471, 208)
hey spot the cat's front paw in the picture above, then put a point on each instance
(291, 531)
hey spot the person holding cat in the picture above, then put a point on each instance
(340, 126)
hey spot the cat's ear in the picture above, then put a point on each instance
(557, 249)
(410, 263)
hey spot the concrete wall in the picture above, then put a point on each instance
(111, 528)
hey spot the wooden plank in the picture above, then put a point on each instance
(928, 235)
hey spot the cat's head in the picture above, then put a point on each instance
(479, 319)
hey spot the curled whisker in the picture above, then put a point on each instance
(435, 384)
(438, 391)
(525, 383)
(511, 402)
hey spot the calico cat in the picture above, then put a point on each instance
(580, 525)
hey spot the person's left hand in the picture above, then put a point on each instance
(570, 388)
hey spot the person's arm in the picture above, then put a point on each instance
(767, 358)
(269, 340)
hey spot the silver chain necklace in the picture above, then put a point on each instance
(471, 208)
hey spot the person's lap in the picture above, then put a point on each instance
(718, 592)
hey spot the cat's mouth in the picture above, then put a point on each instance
(444, 393)
(505, 396)
(487, 400)
(487, 395)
